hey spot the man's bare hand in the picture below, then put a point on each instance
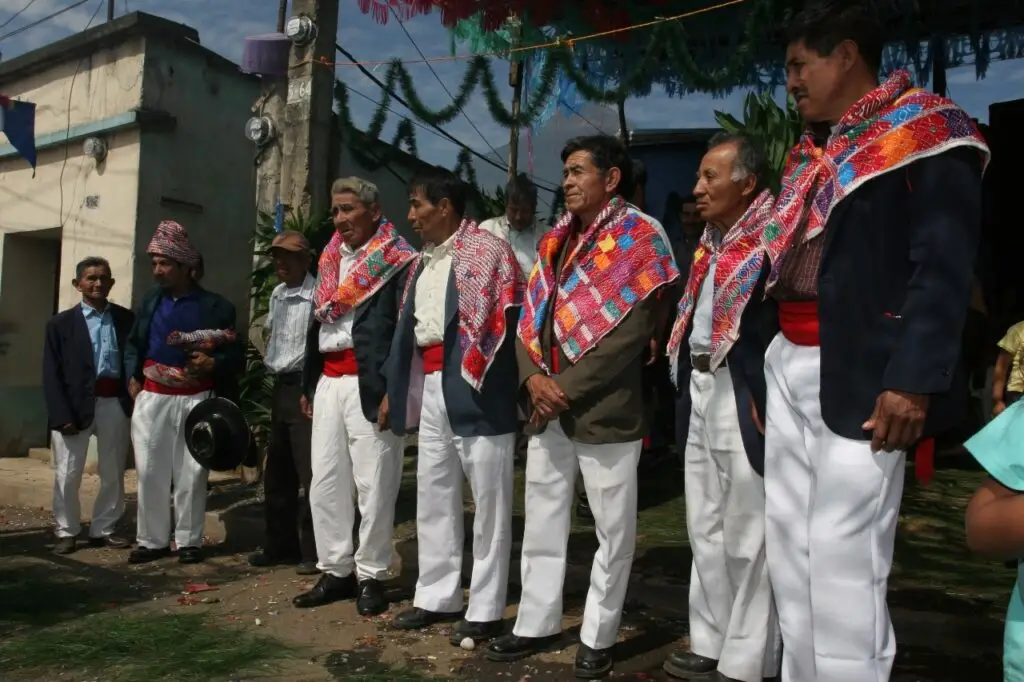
(758, 424)
(548, 399)
(67, 429)
(383, 415)
(200, 363)
(898, 420)
(997, 408)
(134, 388)
(653, 347)
(306, 407)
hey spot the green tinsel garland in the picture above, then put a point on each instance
(667, 41)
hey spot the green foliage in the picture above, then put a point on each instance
(256, 384)
(774, 129)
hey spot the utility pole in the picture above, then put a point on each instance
(308, 111)
(271, 105)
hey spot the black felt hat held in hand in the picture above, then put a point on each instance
(218, 436)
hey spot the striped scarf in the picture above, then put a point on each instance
(891, 127)
(738, 263)
(488, 282)
(619, 260)
(378, 261)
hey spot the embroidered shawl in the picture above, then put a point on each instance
(890, 127)
(488, 282)
(738, 265)
(204, 340)
(619, 260)
(382, 258)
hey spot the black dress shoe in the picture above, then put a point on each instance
(592, 664)
(417, 618)
(371, 600)
(264, 560)
(307, 568)
(510, 648)
(111, 542)
(142, 555)
(189, 555)
(685, 664)
(330, 588)
(477, 631)
(65, 545)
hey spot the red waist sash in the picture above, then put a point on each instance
(433, 358)
(799, 322)
(340, 363)
(108, 387)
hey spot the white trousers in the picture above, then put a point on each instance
(110, 425)
(831, 511)
(443, 459)
(609, 476)
(732, 613)
(353, 463)
(163, 459)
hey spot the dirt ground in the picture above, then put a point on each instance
(947, 613)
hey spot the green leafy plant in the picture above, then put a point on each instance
(257, 384)
(774, 129)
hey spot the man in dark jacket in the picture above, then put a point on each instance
(872, 244)
(717, 350)
(167, 380)
(87, 395)
(355, 457)
(451, 373)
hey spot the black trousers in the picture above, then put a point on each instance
(289, 522)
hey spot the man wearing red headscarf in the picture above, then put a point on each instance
(166, 382)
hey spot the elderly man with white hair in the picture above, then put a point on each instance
(717, 352)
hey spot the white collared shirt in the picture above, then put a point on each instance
(703, 310)
(524, 243)
(291, 310)
(336, 336)
(431, 291)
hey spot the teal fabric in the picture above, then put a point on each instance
(999, 448)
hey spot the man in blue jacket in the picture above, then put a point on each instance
(717, 351)
(86, 395)
(167, 380)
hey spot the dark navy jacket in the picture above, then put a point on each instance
(215, 312)
(745, 361)
(372, 330)
(69, 372)
(492, 411)
(894, 286)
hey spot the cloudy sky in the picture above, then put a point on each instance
(223, 25)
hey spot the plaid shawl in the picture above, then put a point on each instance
(488, 282)
(619, 260)
(382, 258)
(890, 127)
(738, 265)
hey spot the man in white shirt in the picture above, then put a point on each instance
(519, 224)
(356, 457)
(452, 373)
(289, 524)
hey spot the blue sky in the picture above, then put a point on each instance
(223, 25)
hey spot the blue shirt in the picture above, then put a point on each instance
(999, 448)
(104, 341)
(172, 315)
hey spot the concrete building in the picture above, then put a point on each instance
(171, 115)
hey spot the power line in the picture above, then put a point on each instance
(369, 74)
(37, 22)
(441, 82)
(18, 13)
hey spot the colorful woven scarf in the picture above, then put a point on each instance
(488, 282)
(619, 260)
(737, 267)
(890, 127)
(378, 261)
(203, 340)
(171, 241)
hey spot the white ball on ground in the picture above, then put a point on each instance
(467, 643)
